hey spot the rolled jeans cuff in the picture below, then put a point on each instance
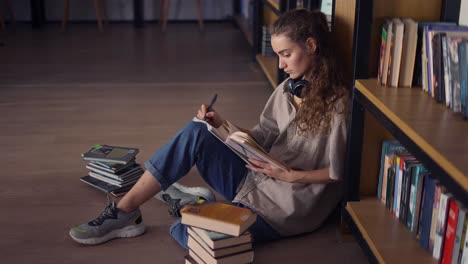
(163, 182)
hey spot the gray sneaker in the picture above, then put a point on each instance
(112, 223)
(178, 195)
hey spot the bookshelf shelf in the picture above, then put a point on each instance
(436, 130)
(268, 64)
(387, 238)
(273, 5)
(265, 13)
(436, 136)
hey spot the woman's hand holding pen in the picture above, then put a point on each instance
(210, 116)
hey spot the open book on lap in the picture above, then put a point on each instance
(241, 143)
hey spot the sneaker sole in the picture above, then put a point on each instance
(197, 191)
(128, 231)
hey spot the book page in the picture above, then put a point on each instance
(221, 132)
(241, 143)
(249, 148)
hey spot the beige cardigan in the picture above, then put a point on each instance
(294, 208)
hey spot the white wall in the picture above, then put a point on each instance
(463, 20)
(122, 10)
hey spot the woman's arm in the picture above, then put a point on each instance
(312, 176)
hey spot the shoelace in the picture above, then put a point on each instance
(109, 212)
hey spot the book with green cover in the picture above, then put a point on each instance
(115, 154)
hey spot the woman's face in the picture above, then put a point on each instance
(294, 59)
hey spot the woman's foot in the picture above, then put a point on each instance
(178, 195)
(112, 223)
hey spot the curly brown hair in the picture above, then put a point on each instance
(326, 85)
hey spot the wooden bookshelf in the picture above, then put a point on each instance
(388, 239)
(436, 130)
(269, 66)
(274, 5)
(436, 136)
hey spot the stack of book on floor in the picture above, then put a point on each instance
(112, 169)
(218, 233)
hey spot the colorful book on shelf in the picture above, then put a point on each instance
(390, 183)
(463, 257)
(441, 225)
(435, 213)
(452, 45)
(388, 44)
(438, 65)
(114, 154)
(409, 166)
(396, 50)
(449, 241)
(383, 43)
(219, 217)
(388, 147)
(429, 32)
(426, 212)
(216, 240)
(446, 71)
(463, 64)
(417, 183)
(458, 234)
(408, 55)
(401, 160)
(420, 50)
(241, 143)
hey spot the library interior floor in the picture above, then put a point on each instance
(62, 92)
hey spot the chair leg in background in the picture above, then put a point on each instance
(104, 11)
(10, 11)
(97, 7)
(66, 13)
(200, 15)
(164, 14)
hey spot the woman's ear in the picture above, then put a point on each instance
(311, 45)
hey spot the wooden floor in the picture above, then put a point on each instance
(61, 93)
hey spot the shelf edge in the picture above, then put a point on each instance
(455, 173)
(364, 234)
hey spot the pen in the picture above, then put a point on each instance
(210, 106)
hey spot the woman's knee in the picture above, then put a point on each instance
(196, 128)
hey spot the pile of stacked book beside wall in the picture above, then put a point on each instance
(218, 233)
(424, 206)
(431, 55)
(112, 169)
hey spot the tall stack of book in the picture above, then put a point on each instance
(112, 169)
(218, 233)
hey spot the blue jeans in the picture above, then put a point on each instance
(221, 168)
